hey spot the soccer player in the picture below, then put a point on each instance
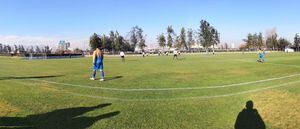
(261, 55)
(175, 53)
(122, 55)
(97, 64)
(143, 53)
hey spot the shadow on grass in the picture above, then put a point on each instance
(249, 118)
(181, 58)
(178, 58)
(113, 78)
(69, 118)
(130, 60)
(30, 77)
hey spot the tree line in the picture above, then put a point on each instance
(115, 42)
(20, 49)
(256, 41)
(206, 36)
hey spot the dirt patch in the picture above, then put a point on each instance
(279, 109)
(6, 108)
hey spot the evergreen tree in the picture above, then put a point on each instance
(182, 39)
(133, 37)
(190, 39)
(272, 42)
(37, 49)
(1, 48)
(112, 40)
(161, 40)
(117, 42)
(260, 42)
(206, 35)
(104, 42)
(95, 41)
(170, 32)
(297, 42)
(141, 38)
(283, 43)
(16, 49)
(249, 41)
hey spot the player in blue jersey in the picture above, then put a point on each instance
(98, 64)
(261, 56)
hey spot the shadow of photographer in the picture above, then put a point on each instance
(249, 118)
(69, 118)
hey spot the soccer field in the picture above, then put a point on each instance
(195, 91)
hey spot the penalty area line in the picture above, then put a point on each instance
(185, 98)
(182, 98)
(166, 89)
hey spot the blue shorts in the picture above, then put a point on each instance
(98, 66)
(261, 56)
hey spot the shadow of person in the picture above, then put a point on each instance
(131, 60)
(249, 118)
(113, 78)
(181, 58)
(69, 118)
(30, 77)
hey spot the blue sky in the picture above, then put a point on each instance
(47, 21)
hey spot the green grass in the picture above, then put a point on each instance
(30, 96)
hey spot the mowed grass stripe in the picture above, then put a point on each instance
(194, 71)
(172, 95)
(162, 89)
(185, 98)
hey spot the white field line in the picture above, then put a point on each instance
(284, 64)
(186, 98)
(165, 89)
(180, 98)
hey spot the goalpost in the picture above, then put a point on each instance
(30, 56)
(44, 55)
